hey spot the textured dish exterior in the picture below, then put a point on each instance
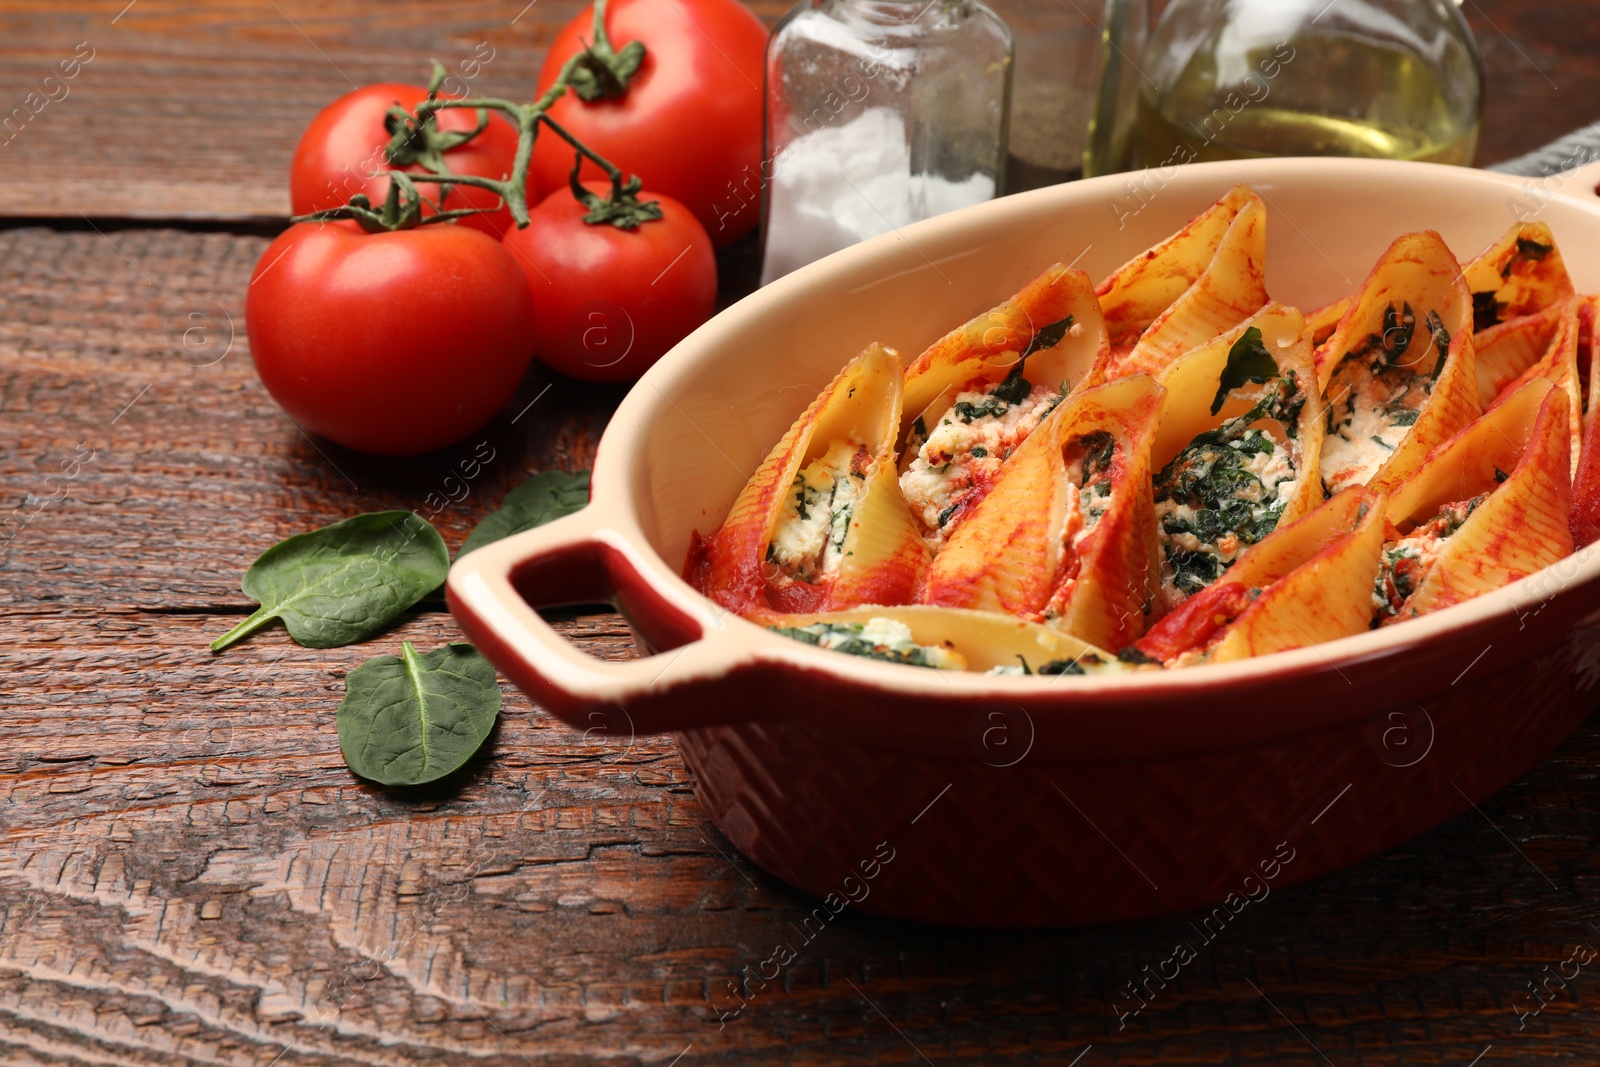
(1054, 843)
(1034, 804)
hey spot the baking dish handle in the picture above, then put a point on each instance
(582, 559)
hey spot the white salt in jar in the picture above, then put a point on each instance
(879, 113)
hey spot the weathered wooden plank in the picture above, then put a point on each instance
(188, 472)
(178, 115)
(188, 875)
(186, 114)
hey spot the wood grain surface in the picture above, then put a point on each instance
(192, 113)
(188, 873)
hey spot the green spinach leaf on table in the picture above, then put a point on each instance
(545, 497)
(412, 718)
(344, 582)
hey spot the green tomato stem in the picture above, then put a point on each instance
(598, 72)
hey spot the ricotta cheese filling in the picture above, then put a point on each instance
(1406, 562)
(1373, 401)
(1088, 460)
(808, 540)
(1220, 495)
(880, 639)
(1368, 416)
(962, 455)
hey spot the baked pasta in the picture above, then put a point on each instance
(1169, 468)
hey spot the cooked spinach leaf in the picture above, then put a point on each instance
(546, 496)
(1193, 571)
(1402, 416)
(847, 637)
(1486, 311)
(992, 405)
(1532, 250)
(344, 582)
(1096, 451)
(1014, 388)
(1248, 361)
(1212, 480)
(412, 718)
(1398, 326)
(1048, 337)
(1441, 340)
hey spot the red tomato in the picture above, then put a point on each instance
(342, 149)
(609, 302)
(689, 124)
(393, 343)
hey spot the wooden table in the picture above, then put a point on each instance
(189, 874)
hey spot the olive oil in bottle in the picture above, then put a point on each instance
(1319, 96)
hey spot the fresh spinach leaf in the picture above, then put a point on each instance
(412, 718)
(1248, 361)
(344, 582)
(545, 497)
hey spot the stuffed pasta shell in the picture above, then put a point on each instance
(1309, 581)
(948, 639)
(1067, 535)
(822, 525)
(1490, 506)
(1518, 275)
(1199, 283)
(976, 394)
(1585, 522)
(1558, 365)
(1170, 469)
(1237, 450)
(1503, 352)
(1398, 374)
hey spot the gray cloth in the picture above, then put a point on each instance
(1573, 150)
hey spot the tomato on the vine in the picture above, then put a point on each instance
(688, 121)
(396, 342)
(342, 153)
(609, 302)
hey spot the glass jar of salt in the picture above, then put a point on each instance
(879, 113)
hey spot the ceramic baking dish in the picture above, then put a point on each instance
(1038, 801)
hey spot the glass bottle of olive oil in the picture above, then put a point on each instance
(1232, 79)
